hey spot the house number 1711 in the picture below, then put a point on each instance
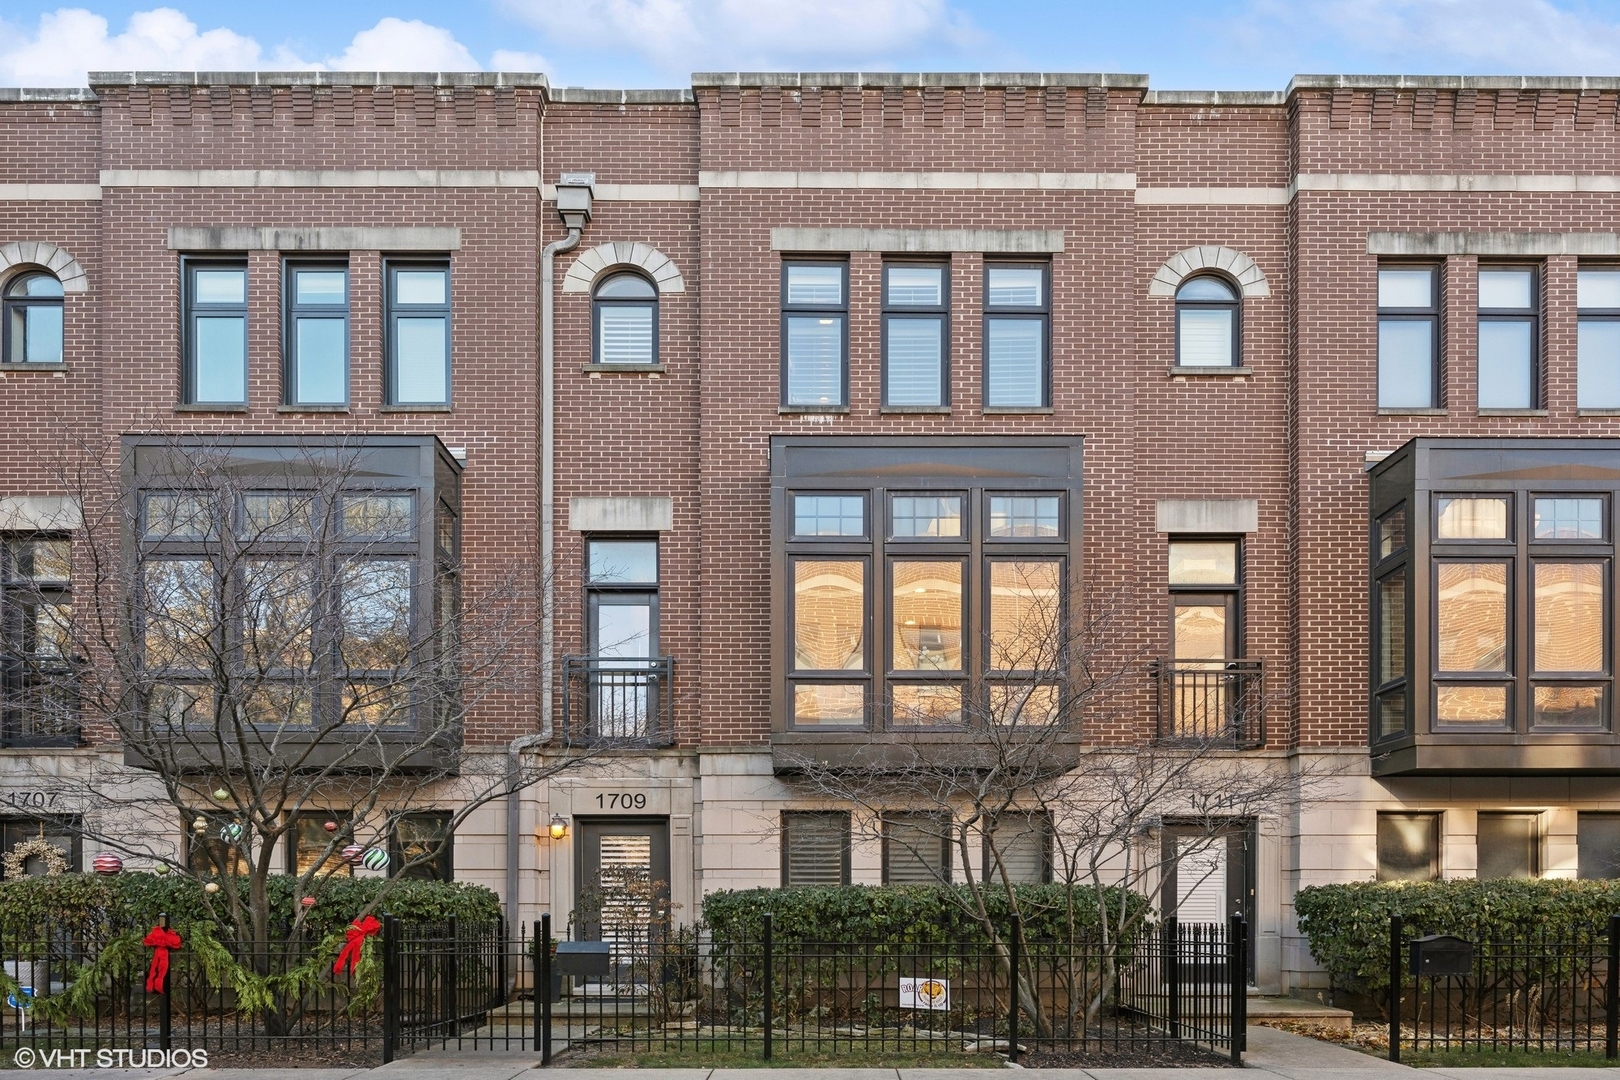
(621, 800)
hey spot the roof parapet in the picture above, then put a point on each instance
(878, 79)
(318, 78)
(1451, 82)
(46, 93)
(1222, 98)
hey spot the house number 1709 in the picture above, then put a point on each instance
(621, 800)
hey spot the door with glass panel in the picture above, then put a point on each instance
(1204, 638)
(622, 892)
(623, 629)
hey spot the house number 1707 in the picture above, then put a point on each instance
(621, 800)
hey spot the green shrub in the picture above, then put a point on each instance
(907, 914)
(1348, 925)
(135, 900)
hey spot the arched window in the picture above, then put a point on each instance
(33, 320)
(625, 320)
(1208, 330)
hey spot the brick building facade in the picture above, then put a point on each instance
(1264, 414)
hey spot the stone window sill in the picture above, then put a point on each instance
(1512, 412)
(925, 410)
(1212, 372)
(1014, 410)
(312, 408)
(33, 367)
(623, 369)
(1413, 412)
(790, 410)
(414, 408)
(210, 407)
(1597, 412)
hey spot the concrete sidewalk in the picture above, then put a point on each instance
(1272, 1055)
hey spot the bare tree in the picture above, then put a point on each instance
(281, 638)
(1046, 745)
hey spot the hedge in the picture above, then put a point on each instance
(135, 899)
(906, 914)
(1348, 925)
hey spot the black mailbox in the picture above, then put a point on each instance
(582, 957)
(1441, 954)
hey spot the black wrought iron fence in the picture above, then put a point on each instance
(1547, 990)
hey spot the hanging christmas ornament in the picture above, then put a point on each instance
(107, 864)
(221, 794)
(211, 888)
(375, 859)
(231, 833)
(307, 901)
(330, 826)
(163, 869)
(353, 853)
(199, 826)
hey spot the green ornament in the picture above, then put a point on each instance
(163, 869)
(221, 794)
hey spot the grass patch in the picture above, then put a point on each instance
(1484, 1057)
(699, 1057)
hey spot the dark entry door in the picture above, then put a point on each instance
(1209, 879)
(622, 896)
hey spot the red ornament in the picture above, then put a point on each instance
(308, 901)
(107, 863)
(330, 826)
(353, 854)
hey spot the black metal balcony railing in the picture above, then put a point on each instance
(1211, 702)
(619, 700)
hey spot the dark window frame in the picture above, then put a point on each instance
(1538, 839)
(839, 311)
(18, 670)
(1612, 859)
(1430, 315)
(867, 675)
(961, 495)
(595, 590)
(1603, 678)
(1235, 306)
(1558, 541)
(598, 302)
(944, 823)
(1531, 315)
(11, 301)
(210, 846)
(867, 532)
(1595, 315)
(191, 310)
(1041, 313)
(940, 312)
(393, 311)
(16, 827)
(335, 865)
(1509, 677)
(1437, 834)
(294, 313)
(1237, 591)
(785, 832)
(1047, 833)
(441, 866)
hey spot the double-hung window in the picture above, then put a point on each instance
(1017, 335)
(916, 334)
(317, 334)
(418, 333)
(1597, 298)
(622, 598)
(1408, 336)
(215, 309)
(815, 334)
(421, 846)
(1509, 337)
(1209, 328)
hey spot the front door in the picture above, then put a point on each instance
(1204, 628)
(623, 882)
(1209, 878)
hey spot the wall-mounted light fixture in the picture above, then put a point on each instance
(559, 827)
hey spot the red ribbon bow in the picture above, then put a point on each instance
(358, 931)
(160, 939)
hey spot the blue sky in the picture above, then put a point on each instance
(1213, 44)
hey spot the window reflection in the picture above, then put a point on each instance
(829, 615)
(927, 616)
(1025, 613)
(1472, 518)
(1472, 615)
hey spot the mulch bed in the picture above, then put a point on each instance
(1158, 1056)
(294, 1057)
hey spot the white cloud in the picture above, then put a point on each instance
(1444, 36)
(72, 41)
(397, 45)
(679, 36)
(512, 60)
